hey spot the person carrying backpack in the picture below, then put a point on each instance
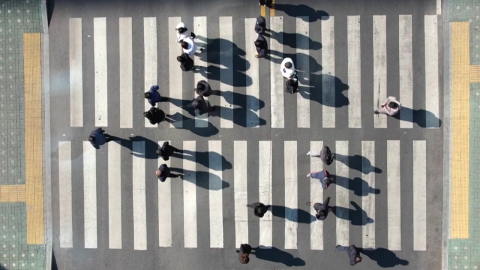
(325, 155)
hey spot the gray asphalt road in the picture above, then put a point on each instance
(205, 257)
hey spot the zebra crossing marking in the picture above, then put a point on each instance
(342, 193)
(164, 191)
(405, 61)
(76, 72)
(419, 195)
(100, 60)
(114, 195)
(241, 192)
(394, 198)
(328, 80)
(354, 72)
(368, 202)
(316, 195)
(190, 197)
(139, 197)
(126, 72)
(379, 68)
(90, 194)
(265, 191)
(65, 193)
(291, 194)
(215, 194)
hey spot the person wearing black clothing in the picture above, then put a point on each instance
(353, 254)
(203, 88)
(260, 25)
(292, 84)
(154, 115)
(267, 3)
(243, 253)
(166, 151)
(261, 47)
(99, 137)
(325, 155)
(322, 209)
(163, 172)
(201, 106)
(186, 63)
(259, 209)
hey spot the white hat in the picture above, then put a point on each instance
(180, 25)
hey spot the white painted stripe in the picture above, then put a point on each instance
(126, 77)
(151, 59)
(175, 74)
(226, 70)
(316, 195)
(354, 72)
(277, 83)
(303, 64)
(240, 192)
(252, 78)
(215, 194)
(76, 72)
(190, 198)
(200, 29)
(164, 207)
(291, 194)
(439, 7)
(265, 190)
(65, 193)
(368, 202)
(328, 79)
(431, 71)
(419, 195)
(139, 197)
(405, 58)
(90, 194)
(101, 85)
(379, 68)
(342, 195)
(394, 192)
(114, 196)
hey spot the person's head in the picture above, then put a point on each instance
(200, 86)
(147, 95)
(358, 258)
(327, 180)
(147, 114)
(179, 26)
(184, 44)
(159, 151)
(91, 138)
(290, 82)
(244, 259)
(181, 59)
(158, 173)
(258, 43)
(288, 65)
(393, 105)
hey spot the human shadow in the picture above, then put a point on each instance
(357, 185)
(150, 146)
(357, 216)
(302, 11)
(239, 99)
(274, 254)
(421, 117)
(50, 8)
(357, 162)
(202, 179)
(295, 40)
(324, 89)
(240, 116)
(313, 65)
(384, 257)
(296, 215)
(180, 121)
(204, 159)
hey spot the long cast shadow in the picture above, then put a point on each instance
(313, 65)
(274, 254)
(357, 216)
(357, 162)
(204, 158)
(150, 146)
(357, 185)
(295, 40)
(384, 257)
(204, 180)
(421, 117)
(315, 90)
(302, 11)
(297, 215)
(239, 99)
(240, 116)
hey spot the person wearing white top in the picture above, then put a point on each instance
(287, 68)
(189, 47)
(183, 32)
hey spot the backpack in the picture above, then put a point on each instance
(327, 153)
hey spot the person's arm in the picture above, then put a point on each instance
(313, 174)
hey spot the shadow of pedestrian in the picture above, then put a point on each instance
(274, 254)
(331, 95)
(421, 117)
(239, 116)
(202, 179)
(239, 99)
(295, 40)
(150, 146)
(302, 11)
(357, 185)
(204, 159)
(384, 257)
(357, 216)
(312, 63)
(296, 215)
(180, 121)
(357, 162)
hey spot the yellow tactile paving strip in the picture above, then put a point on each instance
(459, 221)
(12, 193)
(474, 74)
(33, 137)
(272, 10)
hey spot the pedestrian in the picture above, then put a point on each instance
(189, 47)
(267, 3)
(154, 96)
(292, 84)
(167, 150)
(287, 68)
(243, 253)
(259, 209)
(353, 253)
(203, 88)
(186, 63)
(201, 106)
(163, 172)
(154, 115)
(322, 209)
(323, 176)
(261, 25)
(261, 47)
(99, 137)
(183, 32)
(325, 155)
(390, 106)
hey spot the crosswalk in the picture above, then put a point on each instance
(328, 90)
(360, 178)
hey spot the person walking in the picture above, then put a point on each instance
(353, 253)
(154, 96)
(243, 253)
(98, 137)
(325, 155)
(163, 172)
(189, 47)
(323, 176)
(261, 25)
(154, 115)
(167, 150)
(203, 88)
(287, 68)
(261, 47)
(259, 209)
(322, 209)
(390, 107)
(292, 84)
(183, 32)
(267, 3)
(201, 106)
(186, 63)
